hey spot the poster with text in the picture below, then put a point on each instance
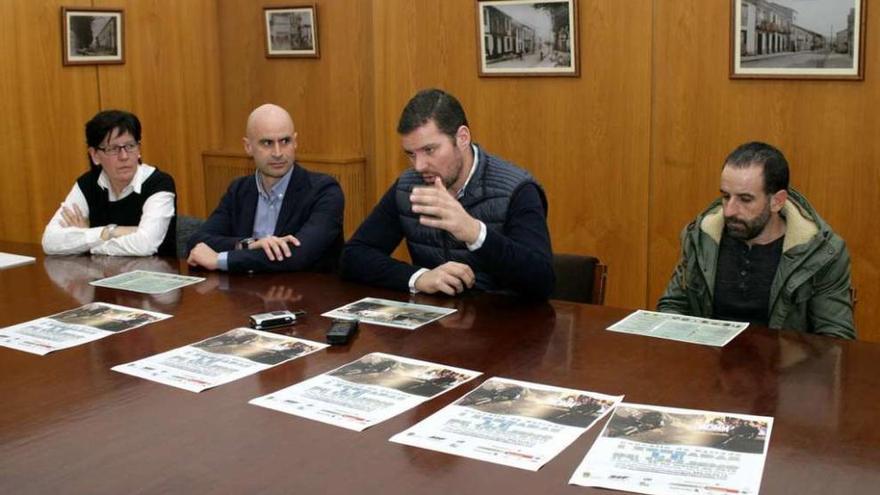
(368, 391)
(222, 359)
(663, 450)
(389, 313)
(510, 422)
(78, 326)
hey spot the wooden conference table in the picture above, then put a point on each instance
(68, 424)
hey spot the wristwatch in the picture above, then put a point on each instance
(110, 228)
(247, 241)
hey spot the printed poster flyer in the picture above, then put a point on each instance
(388, 313)
(662, 450)
(509, 422)
(147, 282)
(9, 260)
(75, 327)
(682, 328)
(365, 392)
(222, 359)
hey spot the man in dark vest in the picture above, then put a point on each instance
(120, 206)
(281, 218)
(470, 219)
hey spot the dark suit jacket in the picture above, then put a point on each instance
(311, 211)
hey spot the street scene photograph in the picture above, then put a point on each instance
(527, 36)
(811, 37)
(291, 30)
(93, 35)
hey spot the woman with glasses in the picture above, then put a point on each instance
(120, 206)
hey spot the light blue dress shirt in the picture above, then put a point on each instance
(268, 207)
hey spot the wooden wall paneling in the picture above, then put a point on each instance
(586, 139)
(372, 27)
(685, 161)
(408, 56)
(45, 107)
(324, 95)
(823, 127)
(171, 81)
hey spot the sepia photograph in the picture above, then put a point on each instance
(91, 36)
(255, 346)
(292, 31)
(797, 39)
(718, 431)
(527, 38)
(104, 317)
(561, 407)
(389, 313)
(425, 380)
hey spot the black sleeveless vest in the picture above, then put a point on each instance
(128, 210)
(486, 198)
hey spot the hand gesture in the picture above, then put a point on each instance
(437, 208)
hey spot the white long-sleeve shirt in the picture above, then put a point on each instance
(156, 216)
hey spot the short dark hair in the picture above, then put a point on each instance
(105, 122)
(758, 153)
(432, 104)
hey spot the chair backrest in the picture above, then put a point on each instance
(186, 227)
(579, 278)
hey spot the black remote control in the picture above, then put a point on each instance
(341, 331)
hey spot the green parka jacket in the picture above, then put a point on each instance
(810, 292)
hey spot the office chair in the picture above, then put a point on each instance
(579, 278)
(186, 227)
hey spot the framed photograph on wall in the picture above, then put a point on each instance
(92, 36)
(292, 31)
(527, 38)
(797, 39)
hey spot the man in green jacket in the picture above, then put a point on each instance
(760, 253)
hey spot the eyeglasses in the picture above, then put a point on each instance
(115, 150)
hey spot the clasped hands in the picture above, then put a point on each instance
(439, 209)
(276, 249)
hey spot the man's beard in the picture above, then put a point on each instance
(747, 230)
(448, 182)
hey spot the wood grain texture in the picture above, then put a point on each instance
(323, 95)
(171, 81)
(44, 108)
(825, 129)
